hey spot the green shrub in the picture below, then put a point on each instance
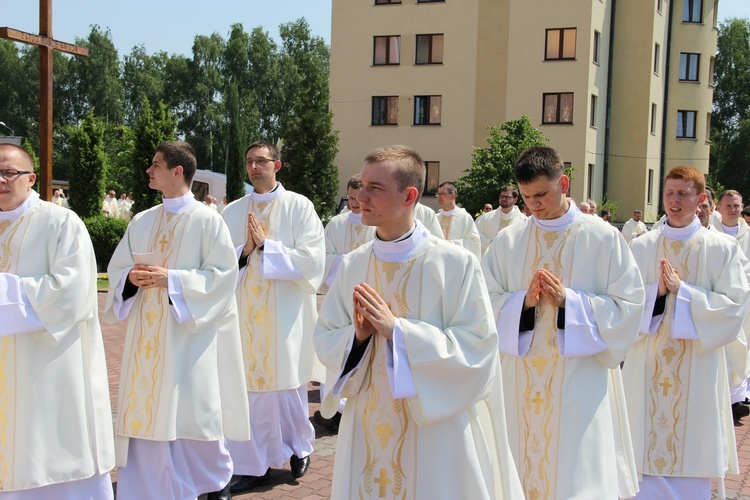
(105, 234)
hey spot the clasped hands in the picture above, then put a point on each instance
(371, 314)
(547, 286)
(148, 276)
(256, 235)
(669, 281)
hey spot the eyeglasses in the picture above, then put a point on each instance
(9, 175)
(506, 197)
(261, 162)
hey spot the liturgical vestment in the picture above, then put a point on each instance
(343, 233)
(675, 374)
(567, 422)
(458, 227)
(55, 416)
(412, 426)
(492, 222)
(428, 218)
(182, 375)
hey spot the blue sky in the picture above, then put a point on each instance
(170, 25)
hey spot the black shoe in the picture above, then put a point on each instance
(331, 424)
(224, 494)
(246, 483)
(739, 410)
(299, 465)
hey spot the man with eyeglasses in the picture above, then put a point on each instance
(492, 222)
(281, 251)
(55, 416)
(457, 225)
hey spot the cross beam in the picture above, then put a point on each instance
(47, 45)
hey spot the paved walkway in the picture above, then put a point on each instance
(316, 484)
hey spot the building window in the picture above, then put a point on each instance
(716, 14)
(386, 50)
(708, 127)
(653, 118)
(659, 5)
(385, 110)
(430, 49)
(561, 44)
(592, 120)
(427, 109)
(692, 11)
(711, 63)
(558, 108)
(568, 169)
(650, 191)
(591, 169)
(657, 55)
(685, 124)
(597, 42)
(430, 1)
(689, 67)
(432, 177)
(386, 2)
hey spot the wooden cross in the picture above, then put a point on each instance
(537, 401)
(666, 386)
(47, 45)
(383, 482)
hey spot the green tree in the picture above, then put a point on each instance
(89, 167)
(730, 126)
(235, 168)
(492, 166)
(151, 128)
(310, 144)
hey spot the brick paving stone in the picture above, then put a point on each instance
(316, 484)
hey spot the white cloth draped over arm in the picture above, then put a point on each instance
(581, 335)
(649, 322)
(15, 309)
(397, 365)
(179, 305)
(121, 307)
(277, 262)
(683, 327)
(510, 339)
(335, 263)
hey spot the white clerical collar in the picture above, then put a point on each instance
(449, 213)
(355, 218)
(733, 230)
(269, 196)
(561, 223)
(17, 212)
(402, 249)
(510, 214)
(177, 205)
(681, 233)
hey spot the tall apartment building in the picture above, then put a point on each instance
(623, 89)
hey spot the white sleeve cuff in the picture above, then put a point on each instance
(338, 387)
(238, 252)
(334, 269)
(277, 263)
(179, 305)
(398, 367)
(15, 308)
(581, 335)
(683, 326)
(510, 340)
(649, 322)
(119, 307)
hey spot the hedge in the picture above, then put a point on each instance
(105, 234)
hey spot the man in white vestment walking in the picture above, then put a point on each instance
(109, 205)
(181, 386)
(634, 227)
(457, 225)
(279, 242)
(567, 312)
(55, 416)
(405, 335)
(490, 223)
(675, 374)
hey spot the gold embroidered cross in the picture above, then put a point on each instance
(148, 349)
(537, 401)
(383, 482)
(151, 317)
(163, 242)
(666, 385)
(258, 317)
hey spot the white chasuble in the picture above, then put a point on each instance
(493, 222)
(277, 314)
(397, 447)
(55, 415)
(675, 375)
(343, 233)
(458, 227)
(180, 379)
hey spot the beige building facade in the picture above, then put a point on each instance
(592, 75)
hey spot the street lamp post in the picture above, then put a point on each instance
(12, 134)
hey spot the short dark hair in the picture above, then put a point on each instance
(711, 194)
(728, 192)
(179, 153)
(355, 182)
(746, 211)
(604, 212)
(449, 186)
(509, 187)
(536, 162)
(273, 150)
